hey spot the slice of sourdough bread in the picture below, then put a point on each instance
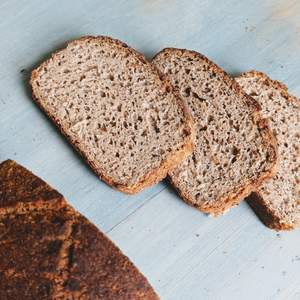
(277, 202)
(235, 151)
(117, 110)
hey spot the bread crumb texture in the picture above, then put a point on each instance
(281, 195)
(116, 109)
(234, 151)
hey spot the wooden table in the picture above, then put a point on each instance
(184, 254)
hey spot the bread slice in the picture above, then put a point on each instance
(117, 110)
(277, 202)
(53, 252)
(235, 151)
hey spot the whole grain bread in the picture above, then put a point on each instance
(235, 151)
(117, 110)
(277, 202)
(53, 252)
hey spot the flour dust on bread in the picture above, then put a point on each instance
(51, 251)
(117, 110)
(235, 151)
(277, 202)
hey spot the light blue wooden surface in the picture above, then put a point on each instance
(184, 254)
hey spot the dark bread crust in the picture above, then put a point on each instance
(95, 259)
(168, 164)
(21, 191)
(262, 124)
(53, 252)
(255, 200)
(33, 254)
(264, 213)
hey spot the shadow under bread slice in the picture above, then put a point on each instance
(235, 151)
(56, 253)
(277, 202)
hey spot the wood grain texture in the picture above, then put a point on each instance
(235, 256)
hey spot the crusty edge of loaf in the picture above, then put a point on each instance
(36, 205)
(168, 164)
(79, 219)
(255, 200)
(263, 125)
(260, 207)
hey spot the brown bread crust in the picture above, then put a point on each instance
(99, 269)
(263, 126)
(168, 164)
(33, 254)
(264, 213)
(53, 252)
(21, 191)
